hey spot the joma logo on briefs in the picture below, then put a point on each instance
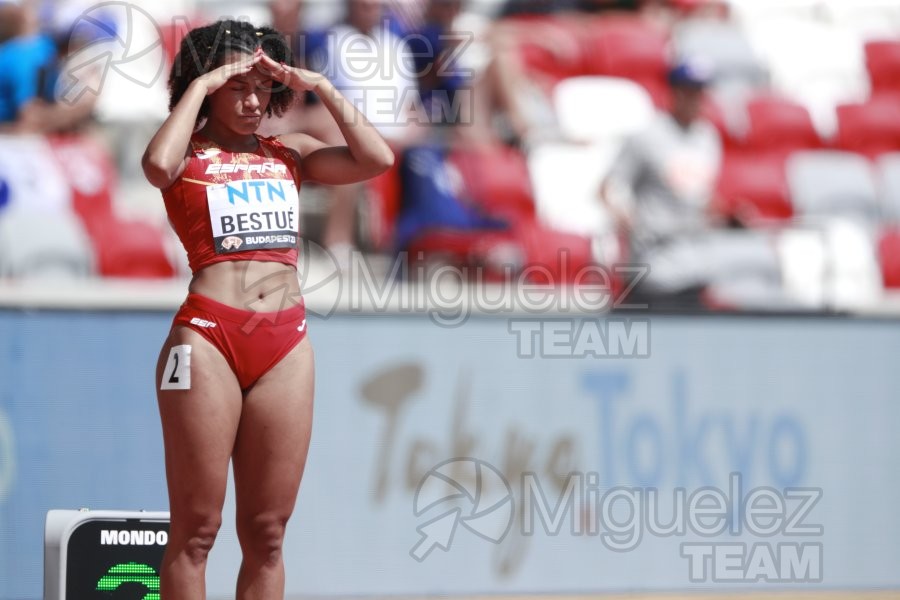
(268, 167)
(133, 537)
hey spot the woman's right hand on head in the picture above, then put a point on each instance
(219, 76)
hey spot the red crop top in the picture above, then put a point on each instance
(236, 205)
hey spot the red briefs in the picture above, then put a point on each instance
(252, 342)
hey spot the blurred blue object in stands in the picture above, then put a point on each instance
(4, 194)
(432, 198)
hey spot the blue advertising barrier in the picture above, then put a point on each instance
(760, 412)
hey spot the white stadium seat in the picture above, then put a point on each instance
(889, 180)
(725, 46)
(872, 19)
(829, 183)
(601, 109)
(566, 180)
(817, 64)
(40, 244)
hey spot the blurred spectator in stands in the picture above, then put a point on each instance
(374, 69)
(660, 189)
(444, 81)
(670, 168)
(530, 8)
(32, 71)
(286, 18)
(26, 57)
(514, 97)
(309, 48)
(536, 42)
(509, 102)
(308, 44)
(405, 15)
(10, 19)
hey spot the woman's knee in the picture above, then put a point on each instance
(195, 533)
(262, 535)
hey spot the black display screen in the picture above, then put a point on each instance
(111, 559)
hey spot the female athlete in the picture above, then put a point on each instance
(235, 375)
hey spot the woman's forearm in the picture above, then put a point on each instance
(166, 150)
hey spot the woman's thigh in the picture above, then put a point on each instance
(200, 408)
(273, 437)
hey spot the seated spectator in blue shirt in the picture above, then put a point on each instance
(27, 58)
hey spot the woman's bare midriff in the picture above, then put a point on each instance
(249, 285)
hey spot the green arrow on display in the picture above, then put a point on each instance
(131, 572)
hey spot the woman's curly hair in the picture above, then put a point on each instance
(204, 48)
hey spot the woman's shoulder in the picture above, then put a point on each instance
(298, 144)
(276, 144)
(200, 147)
(272, 140)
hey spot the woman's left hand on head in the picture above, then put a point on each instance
(299, 80)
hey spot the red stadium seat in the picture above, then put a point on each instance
(871, 128)
(465, 249)
(538, 58)
(132, 249)
(385, 195)
(688, 8)
(889, 258)
(779, 125)
(629, 47)
(883, 65)
(556, 257)
(546, 256)
(753, 189)
(660, 92)
(458, 247)
(497, 179)
(90, 172)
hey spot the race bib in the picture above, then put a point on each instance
(254, 214)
